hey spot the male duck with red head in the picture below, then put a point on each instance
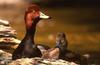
(27, 47)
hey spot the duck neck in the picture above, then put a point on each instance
(30, 31)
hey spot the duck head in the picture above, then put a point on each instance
(33, 15)
(61, 41)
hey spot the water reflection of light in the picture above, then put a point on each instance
(51, 37)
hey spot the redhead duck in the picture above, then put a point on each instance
(27, 47)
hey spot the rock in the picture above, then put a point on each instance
(4, 22)
(7, 29)
(5, 57)
(8, 37)
(39, 61)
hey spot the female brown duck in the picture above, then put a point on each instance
(27, 47)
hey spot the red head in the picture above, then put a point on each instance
(33, 12)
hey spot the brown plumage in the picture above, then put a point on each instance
(59, 50)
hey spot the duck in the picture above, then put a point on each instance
(65, 53)
(61, 51)
(27, 48)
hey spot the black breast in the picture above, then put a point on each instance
(26, 49)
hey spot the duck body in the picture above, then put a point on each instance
(27, 48)
(61, 44)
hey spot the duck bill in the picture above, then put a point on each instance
(43, 16)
